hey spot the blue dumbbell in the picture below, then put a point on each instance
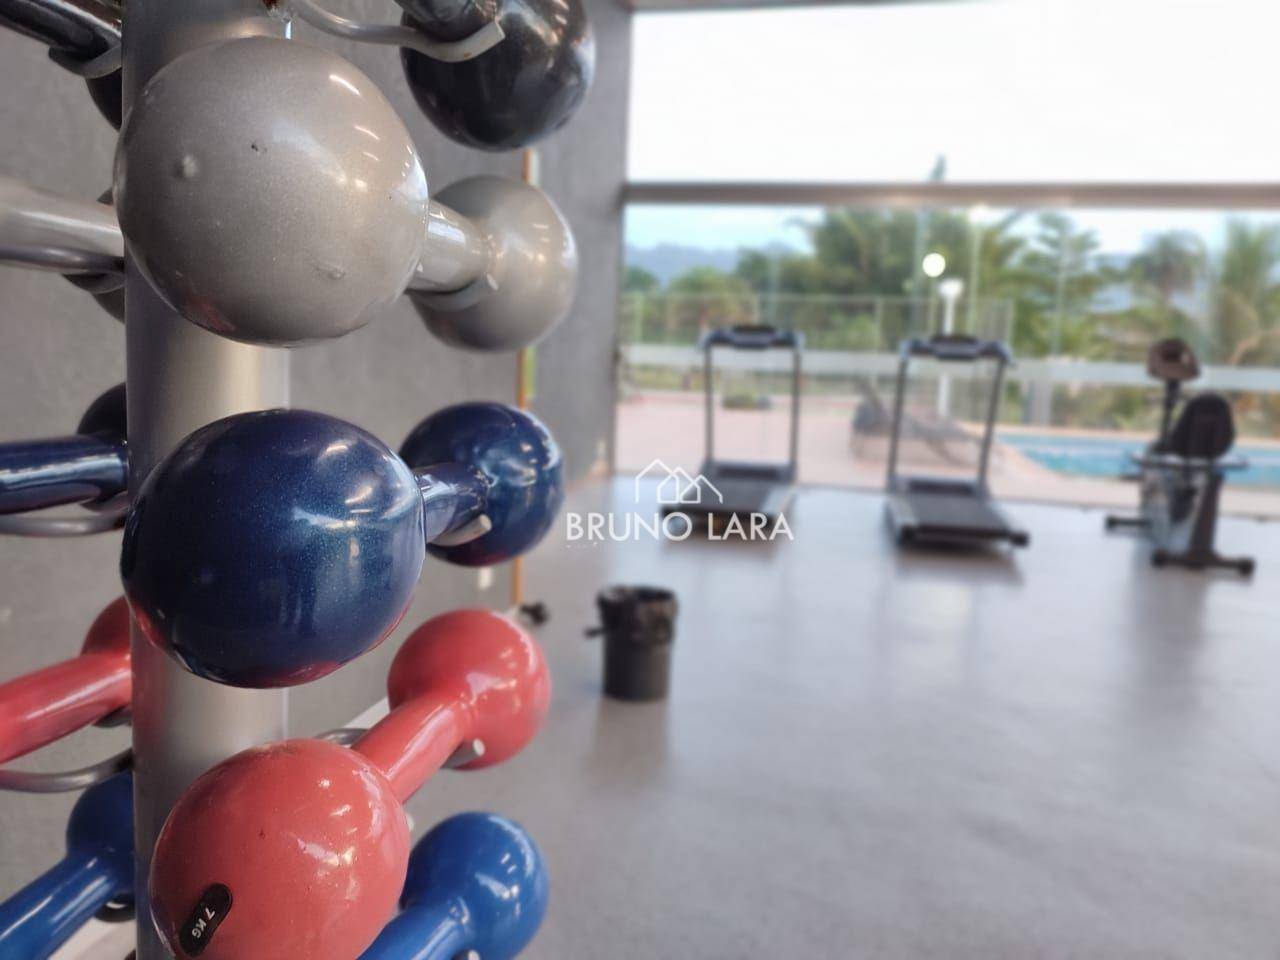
(270, 548)
(89, 467)
(476, 882)
(97, 870)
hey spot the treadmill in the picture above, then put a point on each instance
(738, 488)
(936, 510)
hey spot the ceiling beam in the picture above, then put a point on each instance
(1117, 195)
(702, 6)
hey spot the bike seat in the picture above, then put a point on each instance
(1205, 429)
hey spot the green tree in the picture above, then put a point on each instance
(1062, 276)
(772, 272)
(640, 280)
(863, 251)
(1246, 298)
(1170, 265)
(871, 254)
(639, 305)
(1162, 278)
(702, 298)
(988, 258)
(855, 252)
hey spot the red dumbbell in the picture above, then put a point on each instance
(300, 848)
(49, 704)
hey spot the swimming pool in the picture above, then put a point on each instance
(1107, 457)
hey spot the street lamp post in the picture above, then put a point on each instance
(933, 266)
(977, 220)
(951, 290)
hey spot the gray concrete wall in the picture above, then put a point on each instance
(58, 351)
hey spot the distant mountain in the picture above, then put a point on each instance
(667, 261)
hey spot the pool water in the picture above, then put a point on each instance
(1107, 457)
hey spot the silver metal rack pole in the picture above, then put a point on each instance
(181, 377)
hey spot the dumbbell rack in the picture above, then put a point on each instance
(181, 376)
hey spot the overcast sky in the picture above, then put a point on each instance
(1007, 89)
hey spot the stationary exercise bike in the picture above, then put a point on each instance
(1182, 472)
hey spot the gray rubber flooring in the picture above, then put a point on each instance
(871, 753)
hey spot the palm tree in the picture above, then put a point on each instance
(996, 274)
(1163, 278)
(864, 251)
(1170, 265)
(1062, 277)
(1247, 297)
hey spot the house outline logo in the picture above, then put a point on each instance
(677, 487)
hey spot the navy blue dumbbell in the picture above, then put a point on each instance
(476, 882)
(270, 548)
(90, 467)
(97, 871)
(515, 93)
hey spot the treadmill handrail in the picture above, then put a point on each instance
(949, 346)
(752, 337)
(955, 347)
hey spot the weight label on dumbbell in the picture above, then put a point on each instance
(209, 913)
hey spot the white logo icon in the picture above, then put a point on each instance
(677, 487)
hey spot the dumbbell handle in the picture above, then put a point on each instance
(476, 888)
(41, 916)
(456, 253)
(45, 706)
(436, 931)
(35, 474)
(35, 224)
(48, 704)
(453, 495)
(444, 688)
(447, 19)
(82, 29)
(415, 740)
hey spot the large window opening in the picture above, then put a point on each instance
(940, 161)
(1078, 294)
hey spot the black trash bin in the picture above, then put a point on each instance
(638, 625)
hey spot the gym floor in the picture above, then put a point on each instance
(872, 753)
